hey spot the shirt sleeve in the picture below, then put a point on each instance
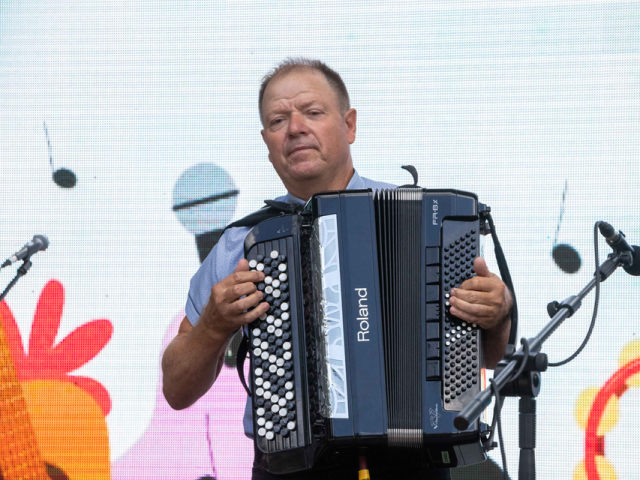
(219, 264)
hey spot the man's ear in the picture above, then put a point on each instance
(350, 122)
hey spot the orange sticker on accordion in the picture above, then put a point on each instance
(597, 412)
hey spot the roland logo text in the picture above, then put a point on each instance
(363, 315)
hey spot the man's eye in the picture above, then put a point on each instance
(276, 121)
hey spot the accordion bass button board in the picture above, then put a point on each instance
(359, 347)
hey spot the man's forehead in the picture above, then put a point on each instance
(297, 87)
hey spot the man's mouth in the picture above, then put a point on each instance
(299, 149)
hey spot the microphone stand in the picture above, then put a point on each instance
(527, 384)
(22, 271)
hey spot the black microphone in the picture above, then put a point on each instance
(39, 242)
(618, 242)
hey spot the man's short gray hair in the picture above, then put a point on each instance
(299, 63)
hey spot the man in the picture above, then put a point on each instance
(308, 127)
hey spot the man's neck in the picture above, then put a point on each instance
(307, 190)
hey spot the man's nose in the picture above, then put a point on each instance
(297, 125)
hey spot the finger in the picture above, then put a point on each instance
(243, 266)
(239, 306)
(480, 284)
(251, 315)
(238, 290)
(480, 266)
(472, 296)
(242, 277)
(472, 312)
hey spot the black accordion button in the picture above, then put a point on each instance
(284, 432)
(273, 378)
(267, 405)
(276, 428)
(259, 257)
(261, 286)
(267, 271)
(290, 405)
(282, 392)
(276, 418)
(260, 402)
(287, 365)
(283, 422)
(268, 415)
(264, 336)
(286, 326)
(291, 415)
(284, 287)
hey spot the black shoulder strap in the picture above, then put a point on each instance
(241, 357)
(272, 209)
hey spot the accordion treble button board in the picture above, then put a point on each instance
(460, 339)
(271, 350)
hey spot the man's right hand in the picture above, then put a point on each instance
(194, 358)
(231, 299)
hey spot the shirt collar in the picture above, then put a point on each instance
(355, 183)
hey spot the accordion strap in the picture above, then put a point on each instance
(243, 348)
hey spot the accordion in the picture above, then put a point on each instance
(358, 349)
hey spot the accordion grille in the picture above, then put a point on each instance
(399, 227)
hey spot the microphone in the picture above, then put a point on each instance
(37, 243)
(618, 242)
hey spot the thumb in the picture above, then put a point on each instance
(243, 266)
(480, 266)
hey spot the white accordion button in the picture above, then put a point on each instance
(267, 394)
(286, 345)
(464, 324)
(263, 316)
(259, 381)
(287, 355)
(275, 398)
(282, 402)
(268, 425)
(259, 392)
(278, 332)
(284, 307)
(280, 362)
(273, 368)
(282, 277)
(256, 332)
(283, 412)
(277, 323)
(289, 396)
(273, 358)
(270, 319)
(274, 408)
(276, 293)
(260, 411)
(265, 356)
(266, 385)
(288, 385)
(271, 329)
(264, 345)
(291, 425)
(268, 280)
(285, 316)
(282, 267)
(274, 254)
(448, 343)
(447, 335)
(269, 435)
(262, 432)
(275, 283)
(252, 264)
(257, 352)
(268, 289)
(256, 342)
(261, 421)
(281, 372)
(260, 267)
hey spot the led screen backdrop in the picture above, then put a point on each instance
(112, 113)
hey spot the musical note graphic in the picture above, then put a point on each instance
(63, 177)
(566, 257)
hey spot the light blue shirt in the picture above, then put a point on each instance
(224, 258)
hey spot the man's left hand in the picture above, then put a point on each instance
(483, 299)
(486, 301)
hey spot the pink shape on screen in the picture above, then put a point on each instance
(204, 440)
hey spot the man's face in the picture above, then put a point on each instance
(307, 136)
